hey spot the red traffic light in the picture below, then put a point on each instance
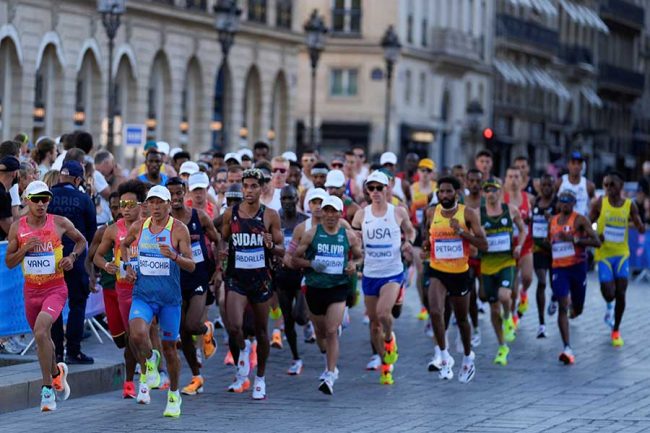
(488, 134)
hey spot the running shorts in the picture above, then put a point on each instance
(613, 268)
(492, 283)
(319, 300)
(570, 280)
(169, 317)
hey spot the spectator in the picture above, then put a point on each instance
(103, 175)
(9, 166)
(44, 155)
(71, 203)
(261, 151)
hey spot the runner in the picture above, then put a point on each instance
(543, 211)
(335, 184)
(524, 273)
(253, 233)
(287, 281)
(381, 226)
(474, 180)
(163, 249)
(498, 263)
(324, 251)
(132, 194)
(35, 241)
(569, 234)
(574, 181)
(194, 285)
(528, 184)
(153, 163)
(613, 214)
(453, 228)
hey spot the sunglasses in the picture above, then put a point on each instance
(491, 189)
(337, 165)
(279, 170)
(39, 198)
(373, 188)
(425, 170)
(129, 204)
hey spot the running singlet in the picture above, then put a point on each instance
(248, 261)
(41, 265)
(612, 225)
(332, 250)
(540, 224)
(145, 179)
(449, 251)
(580, 190)
(158, 276)
(565, 253)
(120, 277)
(498, 231)
(382, 240)
(200, 277)
(419, 204)
(526, 218)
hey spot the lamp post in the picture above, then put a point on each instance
(227, 24)
(315, 31)
(390, 44)
(111, 11)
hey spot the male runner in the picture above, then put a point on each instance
(613, 214)
(287, 281)
(474, 181)
(543, 211)
(163, 250)
(325, 250)
(253, 233)
(453, 227)
(569, 234)
(194, 285)
(574, 181)
(381, 226)
(335, 184)
(132, 194)
(35, 241)
(498, 263)
(528, 184)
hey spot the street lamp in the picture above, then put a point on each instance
(227, 24)
(390, 44)
(315, 30)
(111, 11)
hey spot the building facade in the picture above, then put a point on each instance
(443, 67)
(166, 68)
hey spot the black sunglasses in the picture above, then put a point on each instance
(378, 188)
(39, 198)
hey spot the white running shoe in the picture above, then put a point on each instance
(48, 399)
(244, 363)
(308, 333)
(541, 331)
(446, 372)
(428, 330)
(327, 383)
(151, 373)
(476, 337)
(325, 372)
(366, 319)
(296, 367)
(143, 394)
(346, 317)
(374, 363)
(609, 315)
(259, 389)
(436, 360)
(467, 370)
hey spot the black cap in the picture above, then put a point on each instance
(9, 163)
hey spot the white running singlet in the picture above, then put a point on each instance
(580, 190)
(382, 241)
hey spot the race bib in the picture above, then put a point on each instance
(419, 215)
(287, 241)
(333, 264)
(499, 243)
(448, 249)
(153, 265)
(540, 227)
(614, 234)
(563, 249)
(250, 259)
(197, 252)
(379, 251)
(42, 263)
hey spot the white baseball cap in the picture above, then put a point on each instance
(161, 192)
(290, 156)
(198, 180)
(333, 201)
(163, 147)
(245, 152)
(377, 176)
(335, 179)
(37, 187)
(316, 193)
(388, 158)
(174, 151)
(232, 155)
(189, 167)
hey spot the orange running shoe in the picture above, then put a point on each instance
(617, 340)
(423, 314)
(253, 356)
(60, 382)
(515, 320)
(390, 351)
(209, 343)
(128, 390)
(240, 385)
(228, 360)
(276, 339)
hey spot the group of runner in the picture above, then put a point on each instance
(266, 244)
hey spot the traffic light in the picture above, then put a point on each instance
(488, 136)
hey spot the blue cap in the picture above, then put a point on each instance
(72, 168)
(576, 156)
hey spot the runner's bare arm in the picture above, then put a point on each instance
(298, 258)
(106, 243)
(293, 245)
(183, 256)
(477, 236)
(635, 218)
(131, 236)
(355, 246)
(208, 227)
(516, 218)
(591, 189)
(14, 254)
(68, 229)
(582, 224)
(225, 225)
(274, 237)
(428, 216)
(594, 212)
(406, 225)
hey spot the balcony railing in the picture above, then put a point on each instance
(623, 12)
(455, 43)
(527, 32)
(620, 78)
(575, 55)
(201, 5)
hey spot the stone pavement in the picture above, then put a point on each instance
(606, 390)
